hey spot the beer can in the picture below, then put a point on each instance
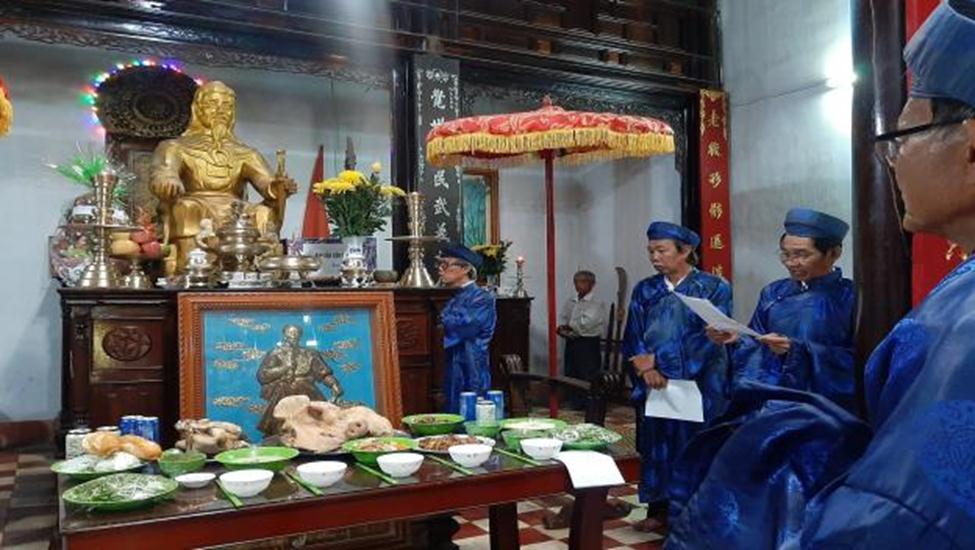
(152, 428)
(72, 442)
(468, 405)
(497, 396)
(485, 413)
(127, 425)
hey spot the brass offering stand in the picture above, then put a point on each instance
(238, 245)
(416, 275)
(289, 270)
(136, 279)
(100, 273)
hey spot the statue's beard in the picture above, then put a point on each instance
(220, 130)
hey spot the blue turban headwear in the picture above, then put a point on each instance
(461, 252)
(941, 55)
(667, 230)
(803, 222)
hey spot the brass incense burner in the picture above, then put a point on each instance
(237, 245)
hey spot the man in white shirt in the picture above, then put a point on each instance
(582, 323)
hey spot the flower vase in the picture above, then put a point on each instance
(492, 282)
(356, 272)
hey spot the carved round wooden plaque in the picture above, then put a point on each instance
(147, 102)
(126, 343)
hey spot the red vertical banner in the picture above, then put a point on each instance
(715, 193)
(932, 257)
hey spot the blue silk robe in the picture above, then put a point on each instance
(659, 323)
(819, 320)
(468, 321)
(914, 484)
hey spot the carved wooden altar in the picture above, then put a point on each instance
(120, 352)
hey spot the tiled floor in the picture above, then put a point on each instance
(618, 534)
(28, 506)
(28, 501)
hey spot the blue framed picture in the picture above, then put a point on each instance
(241, 353)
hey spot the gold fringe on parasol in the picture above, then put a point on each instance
(588, 144)
(6, 114)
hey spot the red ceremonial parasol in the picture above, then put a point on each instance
(574, 137)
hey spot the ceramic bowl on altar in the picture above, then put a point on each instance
(433, 424)
(267, 458)
(400, 464)
(369, 449)
(322, 473)
(541, 448)
(246, 483)
(196, 480)
(484, 430)
(513, 438)
(470, 455)
(175, 462)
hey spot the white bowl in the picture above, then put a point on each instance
(470, 455)
(541, 448)
(246, 483)
(195, 480)
(400, 464)
(323, 472)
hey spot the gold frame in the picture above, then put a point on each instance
(491, 180)
(192, 305)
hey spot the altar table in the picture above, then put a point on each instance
(201, 517)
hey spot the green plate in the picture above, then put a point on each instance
(512, 438)
(483, 430)
(537, 424)
(59, 468)
(419, 443)
(264, 458)
(120, 492)
(370, 458)
(571, 440)
(433, 424)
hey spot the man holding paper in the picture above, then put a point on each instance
(806, 321)
(679, 376)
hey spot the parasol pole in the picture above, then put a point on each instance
(553, 400)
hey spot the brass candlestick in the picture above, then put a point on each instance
(520, 291)
(416, 275)
(101, 273)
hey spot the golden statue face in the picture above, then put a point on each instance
(216, 108)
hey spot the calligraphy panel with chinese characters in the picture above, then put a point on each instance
(437, 99)
(715, 193)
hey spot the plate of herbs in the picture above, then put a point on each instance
(120, 492)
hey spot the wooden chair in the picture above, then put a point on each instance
(521, 396)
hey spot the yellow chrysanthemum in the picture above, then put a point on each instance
(333, 185)
(392, 191)
(352, 176)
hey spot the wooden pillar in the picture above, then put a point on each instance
(883, 265)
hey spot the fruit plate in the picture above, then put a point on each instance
(461, 440)
(120, 492)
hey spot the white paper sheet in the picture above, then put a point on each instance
(714, 317)
(679, 400)
(591, 469)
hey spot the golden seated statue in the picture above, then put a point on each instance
(204, 171)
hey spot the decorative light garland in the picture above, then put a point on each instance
(89, 93)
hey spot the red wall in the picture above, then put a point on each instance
(930, 258)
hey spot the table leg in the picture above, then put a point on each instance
(586, 531)
(503, 525)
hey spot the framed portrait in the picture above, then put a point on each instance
(479, 199)
(241, 353)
